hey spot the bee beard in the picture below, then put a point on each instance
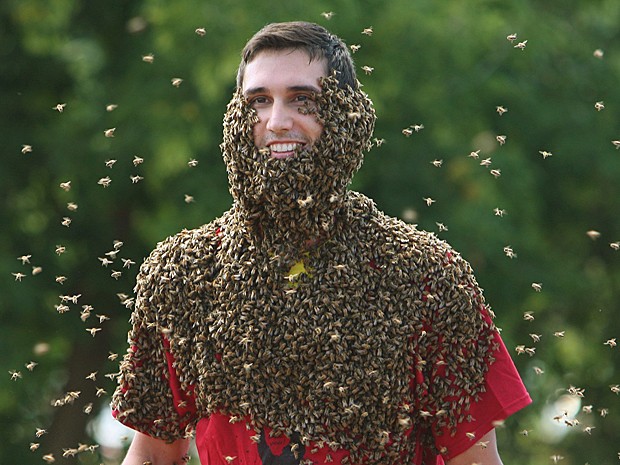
(292, 201)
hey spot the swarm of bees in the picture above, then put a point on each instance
(336, 109)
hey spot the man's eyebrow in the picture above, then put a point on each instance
(299, 88)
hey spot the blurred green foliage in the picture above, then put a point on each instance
(444, 65)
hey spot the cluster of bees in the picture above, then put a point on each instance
(254, 269)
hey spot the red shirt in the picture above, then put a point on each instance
(222, 440)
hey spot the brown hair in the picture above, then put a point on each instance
(315, 40)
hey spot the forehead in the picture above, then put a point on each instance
(273, 69)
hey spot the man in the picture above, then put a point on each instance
(304, 326)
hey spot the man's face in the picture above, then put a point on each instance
(277, 84)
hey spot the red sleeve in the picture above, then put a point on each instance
(504, 395)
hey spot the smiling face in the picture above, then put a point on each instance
(280, 85)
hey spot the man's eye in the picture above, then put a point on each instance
(258, 101)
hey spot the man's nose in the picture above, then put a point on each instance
(281, 117)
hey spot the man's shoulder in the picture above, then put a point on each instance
(384, 228)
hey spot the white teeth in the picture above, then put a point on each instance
(283, 147)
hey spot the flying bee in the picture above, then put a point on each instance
(59, 107)
(26, 148)
(127, 262)
(496, 173)
(110, 163)
(598, 53)
(137, 160)
(615, 245)
(599, 105)
(149, 58)
(593, 234)
(34, 446)
(201, 31)
(528, 316)
(66, 186)
(36, 270)
(429, 201)
(512, 37)
(18, 276)
(109, 132)
(15, 375)
(135, 179)
(407, 132)
(31, 365)
(437, 163)
(93, 331)
(616, 143)
(499, 212)
(367, 31)
(192, 163)
(545, 154)
(611, 342)
(72, 206)
(521, 45)
(49, 458)
(501, 139)
(92, 376)
(105, 182)
(66, 221)
(60, 249)
(538, 370)
(368, 69)
(475, 154)
(111, 107)
(105, 261)
(189, 198)
(103, 318)
(61, 279)
(115, 274)
(354, 48)
(327, 15)
(176, 82)
(559, 334)
(501, 110)
(40, 432)
(486, 162)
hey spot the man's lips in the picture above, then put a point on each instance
(284, 149)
